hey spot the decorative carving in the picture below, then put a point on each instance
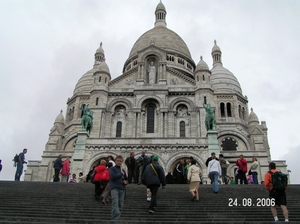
(182, 111)
(174, 81)
(129, 82)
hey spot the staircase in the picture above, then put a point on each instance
(42, 202)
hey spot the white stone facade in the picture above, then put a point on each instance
(162, 112)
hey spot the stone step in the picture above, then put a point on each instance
(41, 202)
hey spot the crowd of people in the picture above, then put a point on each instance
(110, 179)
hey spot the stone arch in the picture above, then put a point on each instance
(96, 157)
(236, 135)
(115, 102)
(172, 162)
(69, 138)
(145, 98)
(153, 51)
(182, 100)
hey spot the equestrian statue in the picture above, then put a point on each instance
(86, 118)
(210, 118)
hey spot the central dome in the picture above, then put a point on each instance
(163, 38)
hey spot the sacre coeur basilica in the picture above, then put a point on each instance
(158, 104)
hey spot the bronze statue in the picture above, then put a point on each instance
(86, 118)
(210, 118)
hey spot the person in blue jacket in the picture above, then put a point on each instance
(153, 177)
(117, 183)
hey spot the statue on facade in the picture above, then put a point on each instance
(86, 118)
(152, 73)
(210, 117)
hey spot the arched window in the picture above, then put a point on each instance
(229, 144)
(240, 112)
(228, 105)
(203, 77)
(119, 129)
(222, 108)
(150, 119)
(182, 128)
(100, 79)
(97, 100)
(243, 113)
(205, 100)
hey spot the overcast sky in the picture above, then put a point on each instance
(47, 45)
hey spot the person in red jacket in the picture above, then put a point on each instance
(65, 171)
(98, 179)
(242, 169)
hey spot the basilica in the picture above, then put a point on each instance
(157, 104)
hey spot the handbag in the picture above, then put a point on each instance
(250, 172)
(227, 163)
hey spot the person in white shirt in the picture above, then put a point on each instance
(214, 172)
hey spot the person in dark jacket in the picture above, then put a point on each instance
(57, 165)
(131, 165)
(154, 176)
(117, 183)
(21, 161)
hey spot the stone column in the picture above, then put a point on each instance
(79, 152)
(141, 79)
(213, 144)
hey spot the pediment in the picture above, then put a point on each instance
(256, 131)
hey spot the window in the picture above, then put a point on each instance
(229, 109)
(203, 77)
(99, 79)
(222, 107)
(205, 102)
(97, 100)
(243, 113)
(229, 144)
(182, 128)
(150, 119)
(119, 129)
(240, 112)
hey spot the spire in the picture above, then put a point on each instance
(216, 54)
(160, 15)
(99, 55)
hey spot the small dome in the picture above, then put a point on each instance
(100, 50)
(215, 47)
(102, 67)
(60, 118)
(160, 6)
(252, 119)
(201, 65)
(223, 81)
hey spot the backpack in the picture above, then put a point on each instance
(16, 158)
(104, 176)
(279, 181)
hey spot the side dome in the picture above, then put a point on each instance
(85, 83)
(60, 118)
(102, 67)
(223, 81)
(252, 119)
(201, 65)
(163, 38)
